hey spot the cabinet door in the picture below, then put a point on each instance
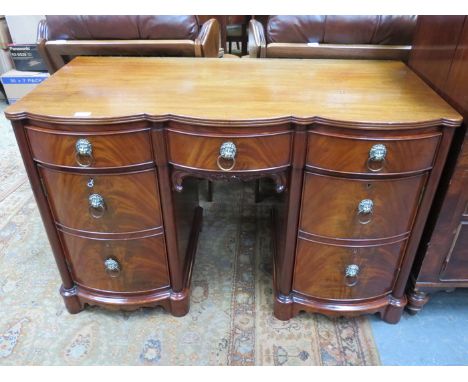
(446, 258)
(455, 267)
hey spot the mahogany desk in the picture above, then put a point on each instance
(112, 147)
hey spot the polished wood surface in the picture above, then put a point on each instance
(131, 200)
(308, 125)
(142, 262)
(110, 150)
(320, 270)
(368, 93)
(336, 216)
(349, 153)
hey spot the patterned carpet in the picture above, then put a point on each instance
(230, 320)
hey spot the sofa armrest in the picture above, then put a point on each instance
(257, 43)
(42, 31)
(41, 40)
(208, 42)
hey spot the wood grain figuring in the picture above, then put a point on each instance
(303, 91)
(110, 150)
(330, 206)
(320, 270)
(349, 153)
(201, 152)
(131, 200)
(143, 263)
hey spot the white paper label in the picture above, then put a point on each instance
(82, 114)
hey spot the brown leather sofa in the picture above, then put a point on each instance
(64, 37)
(358, 37)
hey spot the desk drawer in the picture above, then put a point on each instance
(118, 265)
(345, 273)
(130, 201)
(359, 209)
(385, 155)
(102, 150)
(203, 151)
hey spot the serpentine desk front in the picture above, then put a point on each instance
(112, 146)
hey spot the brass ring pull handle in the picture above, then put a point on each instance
(227, 151)
(351, 274)
(112, 267)
(83, 152)
(365, 211)
(377, 155)
(97, 206)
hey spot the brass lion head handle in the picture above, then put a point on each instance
(377, 155)
(227, 152)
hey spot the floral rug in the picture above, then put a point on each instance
(230, 320)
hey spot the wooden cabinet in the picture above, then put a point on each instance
(103, 196)
(356, 162)
(359, 215)
(440, 56)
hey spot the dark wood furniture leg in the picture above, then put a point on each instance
(209, 197)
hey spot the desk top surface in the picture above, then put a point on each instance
(235, 91)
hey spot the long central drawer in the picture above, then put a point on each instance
(252, 151)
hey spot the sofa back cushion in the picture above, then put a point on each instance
(122, 27)
(381, 30)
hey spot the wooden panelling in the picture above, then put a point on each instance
(440, 55)
(434, 47)
(457, 80)
(443, 244)
(456, 263)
